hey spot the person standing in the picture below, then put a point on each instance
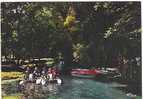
(61, 64)
(125, 67)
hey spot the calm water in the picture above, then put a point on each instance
(73, 88)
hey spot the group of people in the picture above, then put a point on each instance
(42, 76)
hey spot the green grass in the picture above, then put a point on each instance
(17, 96)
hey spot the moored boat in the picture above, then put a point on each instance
(85, 73)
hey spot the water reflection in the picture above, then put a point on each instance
(32, 90)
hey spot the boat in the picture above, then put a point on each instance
(85, 73)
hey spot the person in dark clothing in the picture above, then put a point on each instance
(27, 72)
(36, 72)
(43, 72)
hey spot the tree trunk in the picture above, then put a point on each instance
(67, 53)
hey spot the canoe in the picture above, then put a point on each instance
(85, 73)
(83, 76)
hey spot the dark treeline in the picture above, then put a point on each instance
(97, 34)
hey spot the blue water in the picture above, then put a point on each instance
(90, 89)
(74, 88)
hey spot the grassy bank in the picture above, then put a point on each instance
(17, 96)
(11, 75)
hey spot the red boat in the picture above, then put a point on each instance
(86, 73)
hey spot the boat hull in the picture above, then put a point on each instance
(83, 76)
(85, 73)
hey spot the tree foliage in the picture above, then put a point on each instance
(97, 32)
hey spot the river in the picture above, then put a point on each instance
(72, 88)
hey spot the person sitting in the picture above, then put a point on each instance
(31, 77)
(57, 72)
(27, 72)
(54, 73)
(44, 80)
(44, 71)
(50, 75)
(36, 73)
